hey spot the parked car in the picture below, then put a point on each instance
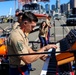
(57, 17)
(71, 20)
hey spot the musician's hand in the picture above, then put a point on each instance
(44, 57)
(50, 46)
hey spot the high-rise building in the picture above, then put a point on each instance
(58, 6)
(68, 6)
(47, 8)
(64, 8)
(72, 4)
(53, 7)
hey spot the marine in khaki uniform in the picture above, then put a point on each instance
(18, 44)
(15, 25)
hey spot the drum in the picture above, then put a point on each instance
(3, 47)
(2, 40)
(3, 50)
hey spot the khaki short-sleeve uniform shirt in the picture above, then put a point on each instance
(17, 44)
(48, 22)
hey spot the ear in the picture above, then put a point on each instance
(26, 22)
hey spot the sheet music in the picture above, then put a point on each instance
(58, 48)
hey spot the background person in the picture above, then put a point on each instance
(48, 21)
(18, 44)
(18, 16)
(43, 32)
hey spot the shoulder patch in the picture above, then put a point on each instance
(19, 46)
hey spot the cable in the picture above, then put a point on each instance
(70, 51)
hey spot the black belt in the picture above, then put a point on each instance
(16, 66)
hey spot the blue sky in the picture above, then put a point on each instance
(8, 7)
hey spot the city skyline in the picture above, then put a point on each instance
(12, 5)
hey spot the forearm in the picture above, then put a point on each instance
(49, 26)
(34, 57)
(37, 56)
(31, 58)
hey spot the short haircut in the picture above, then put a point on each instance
(20, 14)
(29, 16)
(17, 10)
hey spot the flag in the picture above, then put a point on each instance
(24, 1)
(21, 1)
(43, 0)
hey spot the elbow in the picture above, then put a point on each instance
(26, 60)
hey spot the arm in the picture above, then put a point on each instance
(22, 48)
(32, 58)
(48, 23)
(46, 33)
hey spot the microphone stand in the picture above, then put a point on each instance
(54, 31)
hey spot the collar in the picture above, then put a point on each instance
(21, 32)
